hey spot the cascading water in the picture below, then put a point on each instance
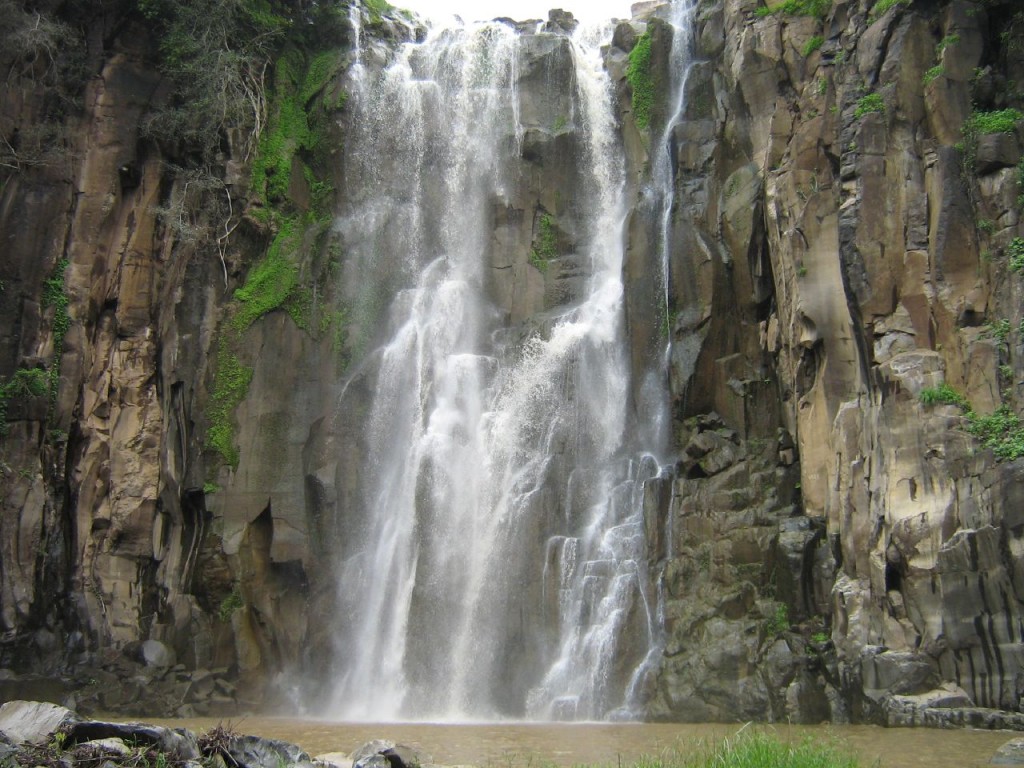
(493, 557)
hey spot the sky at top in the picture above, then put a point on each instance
(477, 10)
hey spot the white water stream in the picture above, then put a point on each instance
(499, 568)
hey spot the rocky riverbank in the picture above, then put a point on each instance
(40, 734)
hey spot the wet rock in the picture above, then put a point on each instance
(255, 752)
(561, 21)
(1011, 753)
(385, 754)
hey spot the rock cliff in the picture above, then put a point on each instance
(839, 538)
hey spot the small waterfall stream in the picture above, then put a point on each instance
(494, 563)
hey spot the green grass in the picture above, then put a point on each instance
(884, 5)
(945, 43)
(546, 244)
(638, 73)
(868, 104)
(999, 121)
(812, 45)
(933, 74)
(760, 750)
(817, 8)
(943, 394)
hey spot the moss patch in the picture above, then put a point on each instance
(638, 73)
(271, 281)
(231, 384)
(545, 246)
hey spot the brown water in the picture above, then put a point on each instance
(505, 745)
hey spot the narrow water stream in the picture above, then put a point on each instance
(504, 745)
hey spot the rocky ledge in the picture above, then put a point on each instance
(34, 733)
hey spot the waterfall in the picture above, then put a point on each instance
(492, 561)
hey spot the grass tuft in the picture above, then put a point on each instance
(758, 750)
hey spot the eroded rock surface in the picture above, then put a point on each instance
(828, 546)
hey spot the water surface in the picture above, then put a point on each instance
(503, 745)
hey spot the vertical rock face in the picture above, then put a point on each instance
(832, 542)
(853, 260)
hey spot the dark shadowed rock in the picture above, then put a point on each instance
(178, 741)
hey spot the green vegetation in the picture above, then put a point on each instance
(217, 54)
(638, 73)
(945, 43)
(1001, 431)
(270, 282)
(943, 394)
(882, 6)
(999, 121)
(377, 9)
(230, 604)
(778, 622)
(813, 44)
(933, 74)
(818, 8)
(294, 139)
(209, 488)
(294, 126)
(25, 383)
(999, 330)
(546, 244)
(762, 750)
(1016, 251)
(231, 382)
(981, 124)
(868, 104)
(55, 296)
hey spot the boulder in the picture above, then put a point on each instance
(33, 722)
(1011, 753)
(156, 654)
(175, 741)
(254, 752)
(995, 151)
(394, 755)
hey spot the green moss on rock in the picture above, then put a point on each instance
(638, 73)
